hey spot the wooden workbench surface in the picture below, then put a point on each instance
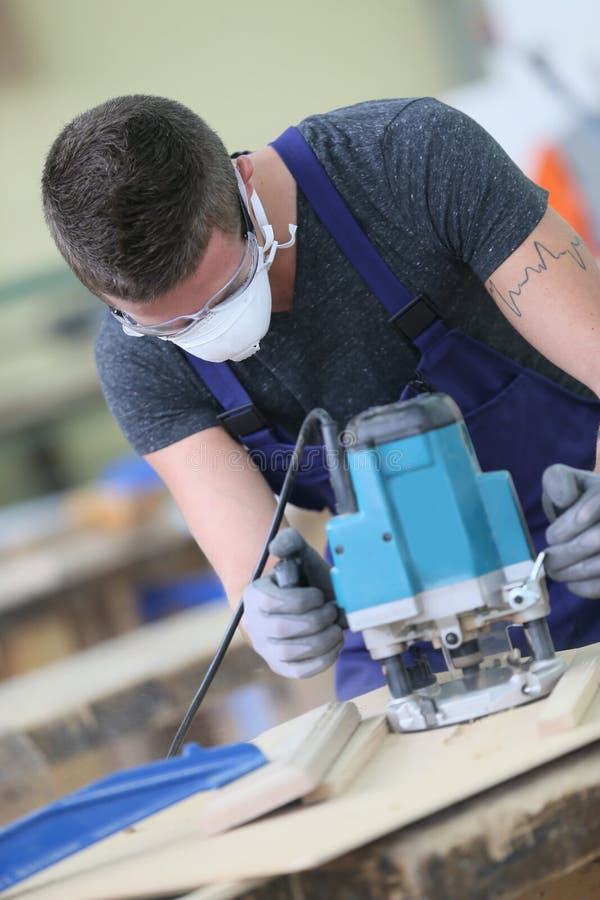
(478, 810)
(500, 844)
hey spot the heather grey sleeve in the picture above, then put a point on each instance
(151, 390)
(467, 198)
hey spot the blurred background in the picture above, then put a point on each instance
(108, 612)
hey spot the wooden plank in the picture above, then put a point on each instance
(36, 641)
(410, 777)
(150, 652)
(298, 770)
(353, 758)
(223, 891)
(82, 704)
(571, 697)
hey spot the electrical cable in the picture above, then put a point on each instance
(313, 416)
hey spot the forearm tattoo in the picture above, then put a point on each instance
(545, 257)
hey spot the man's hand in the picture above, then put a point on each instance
(294, 628)
(571, 501)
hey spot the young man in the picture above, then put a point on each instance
(448, 269)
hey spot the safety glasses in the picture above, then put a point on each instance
(236, 285)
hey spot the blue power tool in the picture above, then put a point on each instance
(427, 547)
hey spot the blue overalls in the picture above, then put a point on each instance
(518, 420)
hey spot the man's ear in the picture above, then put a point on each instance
(245, 167)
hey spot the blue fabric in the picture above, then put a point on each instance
(105, 807)
(518, 420)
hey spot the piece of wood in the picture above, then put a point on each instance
(571, 697)
(222, 891)
(107, 508)
(299, 769)
(353, 758)
(410, 777)
(148, 653)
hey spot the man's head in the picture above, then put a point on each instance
(132, 191)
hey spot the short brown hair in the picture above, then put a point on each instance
(131, 192)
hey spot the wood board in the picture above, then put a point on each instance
(411, 776)
(150, 652)
(363, 744)
(292, 772)
(572, 696)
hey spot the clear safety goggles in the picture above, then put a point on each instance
(236, 285)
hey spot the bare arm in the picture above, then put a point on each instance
(549, 290)
(225, 501)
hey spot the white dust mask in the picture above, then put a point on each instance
(234, 328)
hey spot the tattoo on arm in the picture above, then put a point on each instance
(544, 256)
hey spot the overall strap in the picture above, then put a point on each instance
(240, 416)
(414, 312)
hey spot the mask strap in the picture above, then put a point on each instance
(262, 221)
(292, 240)
(270, 246)
(129, 331)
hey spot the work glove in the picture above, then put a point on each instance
(571, 501)
(294, 628)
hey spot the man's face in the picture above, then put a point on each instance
(226, 257)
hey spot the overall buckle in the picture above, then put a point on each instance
(415, 317)
(242, 421)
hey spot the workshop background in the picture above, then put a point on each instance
(105, 603)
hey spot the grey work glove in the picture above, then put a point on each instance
(293, 628)
(571, 501)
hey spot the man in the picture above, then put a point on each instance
(215, 303)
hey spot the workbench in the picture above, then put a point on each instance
(501, 844)
(503, 841)
(66, 585)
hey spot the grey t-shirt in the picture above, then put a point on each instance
(443, 204)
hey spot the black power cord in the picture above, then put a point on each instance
(330, 434)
